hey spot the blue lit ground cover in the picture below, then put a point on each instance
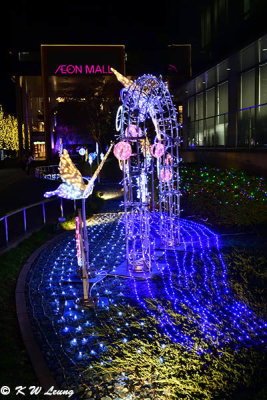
(191, 283)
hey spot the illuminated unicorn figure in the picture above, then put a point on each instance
(73, 186)
(148, 98)
(145, 96)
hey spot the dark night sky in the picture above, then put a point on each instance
(140, 23)
(145, 28)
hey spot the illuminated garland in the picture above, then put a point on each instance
(9, 137)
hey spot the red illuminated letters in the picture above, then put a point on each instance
(70, 69)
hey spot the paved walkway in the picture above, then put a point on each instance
(17, 189)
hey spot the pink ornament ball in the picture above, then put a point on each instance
(131, 131)
(168, 159)
(157, 150)
(122, 150)
(166, 174)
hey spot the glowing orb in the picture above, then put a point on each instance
(131, 131)
(157, 150)
(165, 174)
(168, 159)
(122, 150)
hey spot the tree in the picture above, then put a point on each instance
(9, 137)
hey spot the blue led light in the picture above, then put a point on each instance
(192, 281)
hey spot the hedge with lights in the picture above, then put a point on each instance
(224, 196)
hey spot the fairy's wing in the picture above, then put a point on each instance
(73, 185)
(69, 173)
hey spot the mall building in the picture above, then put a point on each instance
(66, 89)
(53, 85)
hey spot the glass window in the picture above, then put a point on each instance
(211, 76)
(209, 124)
(246, 117)
(249, 56)
(223, 70)
(190, 88)
(199, 119)
(223, 97)
(210, 102)
(222, 120)
(263, 84)
(199, 106)
(191, 108)
(248, 89)
(200, 133)
(200, 83)
(263, 48)
(260, 136)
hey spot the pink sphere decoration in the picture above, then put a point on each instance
(166, 174)
(131, 131)
(168, 159)
(157, 150)
(122, 150)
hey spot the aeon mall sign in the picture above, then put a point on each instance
(70, 69)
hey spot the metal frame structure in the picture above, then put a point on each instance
(147, 119)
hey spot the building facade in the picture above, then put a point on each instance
(57, 92)
(65, 91)
(226, 106)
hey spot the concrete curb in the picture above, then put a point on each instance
(36, 357)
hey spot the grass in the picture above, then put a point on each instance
(15, 367)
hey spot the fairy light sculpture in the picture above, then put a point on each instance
(144, 100)
(74, 188)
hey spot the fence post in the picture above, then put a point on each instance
(6, 230)
(25, 221)
(61, 207)
(44, 213)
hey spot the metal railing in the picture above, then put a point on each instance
(47, 170)
(23, 212)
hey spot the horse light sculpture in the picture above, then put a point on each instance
(148, 99)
